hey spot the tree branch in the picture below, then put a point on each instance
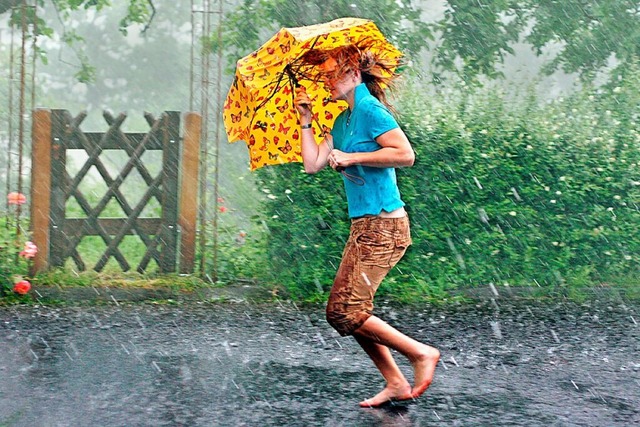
(153, 14)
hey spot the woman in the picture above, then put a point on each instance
(366, 145)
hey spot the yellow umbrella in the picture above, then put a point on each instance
(259, 107)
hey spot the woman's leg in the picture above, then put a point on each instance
(423, 358)
(398, 388)
(373, 248)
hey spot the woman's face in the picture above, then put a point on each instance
(338, 82)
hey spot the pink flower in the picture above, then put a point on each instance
(220, 200)
(223, 209)
(30, 250)
(15, 198)
(22, 287)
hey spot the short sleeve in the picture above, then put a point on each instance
(379, 120)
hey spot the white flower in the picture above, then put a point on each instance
(610, 209)
(271, 196)
(627, 257)
(513, 213)
(555, 243)
(558, 192)
(552, 201)
(617, 89)
(617, 197)
(562, 178)
(484, 155)
(442, 259)
(266, 190)
(287, 191)
(275, 217)
(484, 131)
(467, 241)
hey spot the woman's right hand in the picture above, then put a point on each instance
(303, 104)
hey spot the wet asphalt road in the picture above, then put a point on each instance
(503, 363)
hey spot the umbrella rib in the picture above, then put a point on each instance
(289, 71)
(275, 90)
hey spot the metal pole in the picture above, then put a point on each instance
(22, 110)
(204, 106)
(10, 118)
(191, 60)
(34, 47)
(217, 161)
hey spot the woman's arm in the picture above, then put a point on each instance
(396, 152)
(314, 156)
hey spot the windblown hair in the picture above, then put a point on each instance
(378, 70)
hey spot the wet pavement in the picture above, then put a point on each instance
(504, 363)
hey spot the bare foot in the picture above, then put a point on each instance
(424, 367)
(389, 394)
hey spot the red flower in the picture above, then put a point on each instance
(220, 200)
(22, 287)
(223, 209)
(15, 198)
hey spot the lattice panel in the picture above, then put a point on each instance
(115, 212)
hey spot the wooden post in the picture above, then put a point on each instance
(41, 187)
(170, 173)
(189, 191)
(58, 185)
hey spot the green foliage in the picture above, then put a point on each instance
(471, 38)
(593, 33)
(307, 223)
(504, 193)
(400, 21)
(138, 12)
(12, 266)
(240, 255)
(479, 36)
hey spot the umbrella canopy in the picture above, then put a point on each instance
(259, 107)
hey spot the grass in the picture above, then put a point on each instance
(65, 278)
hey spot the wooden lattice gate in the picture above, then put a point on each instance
(168, 238)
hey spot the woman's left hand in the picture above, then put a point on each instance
(339, 160)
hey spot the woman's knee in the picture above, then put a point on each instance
(344, 320)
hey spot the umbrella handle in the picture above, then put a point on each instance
(291, 75)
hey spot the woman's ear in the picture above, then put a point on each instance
(357, 75)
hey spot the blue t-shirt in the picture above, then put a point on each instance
(356, 132)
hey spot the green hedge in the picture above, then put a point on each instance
(503, 192)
